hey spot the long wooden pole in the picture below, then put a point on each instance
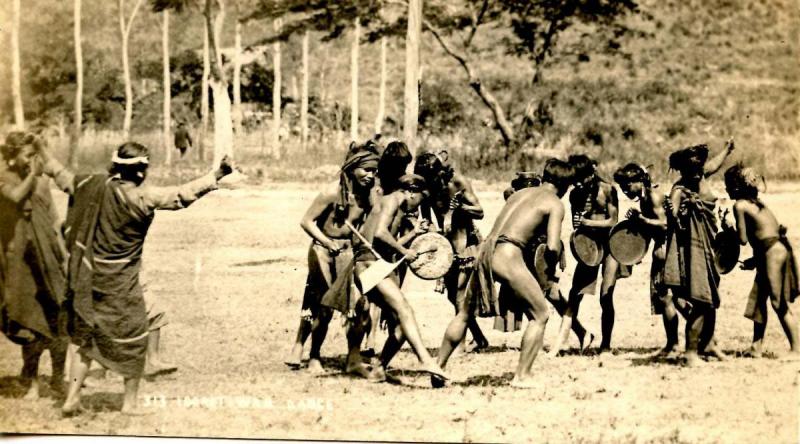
(411, 92)
(354, 80)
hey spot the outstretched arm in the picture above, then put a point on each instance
(181, 196)
(715, 163)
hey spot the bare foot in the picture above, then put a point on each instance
(378, 374)
(668, 352)
(714, 352)
(526, 383)
(477, 346)
(584, 344)
(71, 408)
(295, 358)
(357, 369)
(33, 392)
(753, 353)
(434, 369)
(691, 359)
(315, 367)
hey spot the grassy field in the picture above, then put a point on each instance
(230, 271)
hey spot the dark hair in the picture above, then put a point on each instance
(632, 172)
(742, 182)
(689, 159)
(437, 175)
(526, 179)
(130, 150)
(583, 165)
(559, 173)
(392, 164)
(15, 141)
(412, 182)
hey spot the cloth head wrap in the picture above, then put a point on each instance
(365, 156)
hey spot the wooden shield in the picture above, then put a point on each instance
(628, 242)
(540, 265)
(726, 250)
(586, 247)
(436, 258)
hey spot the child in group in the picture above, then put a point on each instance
(773, 259)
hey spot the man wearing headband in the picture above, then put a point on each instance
(635, 183)
(380, 231)
(453, 206)
(32, 277)
(527, 215)
(773, 259)
(594, 205)
(348, 199)
(108, 218)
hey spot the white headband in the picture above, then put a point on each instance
(129, 161)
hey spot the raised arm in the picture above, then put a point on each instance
(715, 163)
(323, 202)
(468, 203)
(21, 191)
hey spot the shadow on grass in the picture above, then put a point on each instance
(261, 262)
(487, 380)
(14, 387)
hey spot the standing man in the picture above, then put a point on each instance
(501, 258)
(32, 277)
(183, 140)
(348, 199)
(107, 221)
(594, 205)
(455, 206)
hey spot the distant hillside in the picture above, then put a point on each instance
(695, 71)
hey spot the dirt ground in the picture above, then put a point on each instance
(230, 271)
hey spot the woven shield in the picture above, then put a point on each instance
(586, 247)
(540, 265)
(726, 251)
(436, 259)
(628, 242)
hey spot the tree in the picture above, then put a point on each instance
(201, 144)
(164, 6)
(76, 134)
(276, 93)
(533, 29)
(214, 12)
(411, 90)
(16, 88)
(304, 92)
(354, 80)
(381, 115)
(125, 32)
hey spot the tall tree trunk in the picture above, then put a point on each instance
(223, 122)
(276, 94)
(237, 79)
(354, 80)
(304, 93)
(411, 93)
(125, 32)
(16, 84)
(74, 145)
(201, 144)
(167, 85)
(382, 89)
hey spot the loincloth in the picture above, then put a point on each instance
(323, 270)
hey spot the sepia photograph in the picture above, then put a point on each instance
(499, 221)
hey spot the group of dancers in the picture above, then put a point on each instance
(78, 281)
(375, 210)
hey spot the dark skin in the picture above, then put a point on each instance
(320, 222)
(651, 212)
(753, 224)
(455, 217)
(380, 229)
(606, 203)
(700, 320)
(525, 214)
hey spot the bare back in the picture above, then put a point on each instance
(527, 214)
